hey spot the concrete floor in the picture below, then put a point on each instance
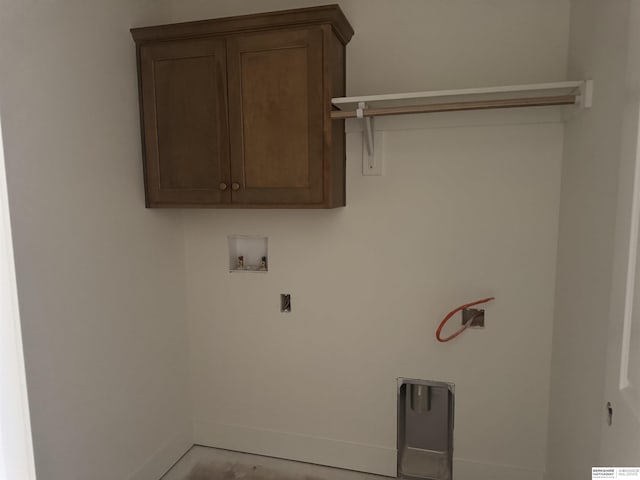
(204, 463)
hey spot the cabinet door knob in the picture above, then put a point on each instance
(223, 186)
(235, 186)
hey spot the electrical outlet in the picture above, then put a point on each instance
(285, 302)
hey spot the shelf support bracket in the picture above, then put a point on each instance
(371, 158)
(585, 98)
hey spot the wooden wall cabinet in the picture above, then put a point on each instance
(235, 112)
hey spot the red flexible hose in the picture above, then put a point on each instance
(466, 325)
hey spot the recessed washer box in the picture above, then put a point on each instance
(248, 253)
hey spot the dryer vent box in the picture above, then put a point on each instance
(425, 429)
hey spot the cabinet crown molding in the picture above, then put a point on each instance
(321, 15)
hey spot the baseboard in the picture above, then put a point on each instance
(472, 470)
(338, 453)
(303, 448)
(164, 457)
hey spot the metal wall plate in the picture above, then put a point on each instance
(469, 313)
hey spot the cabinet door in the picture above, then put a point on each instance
(186, 139)
(276, 117)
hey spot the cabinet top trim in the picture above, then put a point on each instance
(325, 14)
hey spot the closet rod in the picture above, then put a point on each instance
(459, 106)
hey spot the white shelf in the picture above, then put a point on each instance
(574, 88)
(367, 107)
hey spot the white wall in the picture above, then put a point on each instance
(590, 174)
(100, 279)
(468, 207)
